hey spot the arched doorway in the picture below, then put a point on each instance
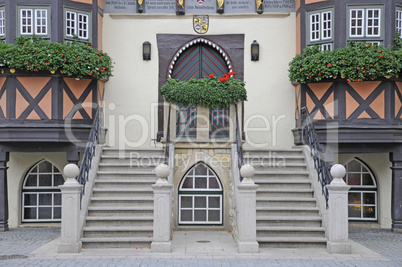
(362, 197)
(199, 59)
(41, 197)
(200, 197)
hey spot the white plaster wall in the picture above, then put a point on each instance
(381, 167)
(19, 165)
(132, 93)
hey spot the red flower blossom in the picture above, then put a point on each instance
(232, 73)
(358, 80)
(367, 46)
(348, 80)
(343, 62)
(225, 76)
(62, 55)
(211, 75)
(77, 60)
(221, 79)
(100, 58)
(89, 46)
(329, 64)
(357, 68)
(226, 79)
(319, 74)
(381, 55)
(90, 74)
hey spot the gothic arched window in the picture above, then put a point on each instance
(41, 197)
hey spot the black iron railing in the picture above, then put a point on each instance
(238, 144)
(167, 145)
(310, 138)
(90, 147)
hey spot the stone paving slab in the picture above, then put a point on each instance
(38, 247)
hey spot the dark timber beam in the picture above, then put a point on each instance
(396, 198)
(4, 157)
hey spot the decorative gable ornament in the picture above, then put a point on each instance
(200, 23)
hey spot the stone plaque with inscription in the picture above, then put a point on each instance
(200, 6)
(279, 5)
(160, 6)
(239, 6)
(120, 6)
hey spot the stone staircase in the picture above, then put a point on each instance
(120, 213)
(287, 211)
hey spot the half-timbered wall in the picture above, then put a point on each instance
(45, 102)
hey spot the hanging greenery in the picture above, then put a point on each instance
(75, 59)
(357, 62)
(207, 92)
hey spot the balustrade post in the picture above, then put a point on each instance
(247, 218)
(338, 224)
(162, 211)
(70, 210)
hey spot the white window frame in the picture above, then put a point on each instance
(373, 19)
(71, 26)
(83, 32)
(200, 193)
(79, 25)
(315, 27)
(2, 22)
(356, 19)
(398, 21)
(362, 205)
(372, 189)
(321, 28)
(38, 190)
(369, 24)
(36, 20)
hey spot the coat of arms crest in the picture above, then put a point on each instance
(200, 23)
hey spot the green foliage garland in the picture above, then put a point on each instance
(75, 59)
(357, 62)
(207, 92)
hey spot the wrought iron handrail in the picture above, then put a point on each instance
(167, 147)
(238, 145)
(89, 152)
(310, 138)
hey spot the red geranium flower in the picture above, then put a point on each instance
(226, 79)
(221, 79)
(211, 75)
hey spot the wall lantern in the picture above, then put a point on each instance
(146, 51)
(255, 51)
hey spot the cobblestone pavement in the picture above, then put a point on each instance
(16, 244)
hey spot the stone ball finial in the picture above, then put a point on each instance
(338, 171)
(71, 171)
(162, 171)
(247, 171)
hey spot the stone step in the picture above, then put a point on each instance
(282, 231)
(132, 201)
(280, 211)
(272, 153)
(294, 221)
(121, 192)
(131, 220)
(133, 153)
(283, 183)
(292, 242)
(263, 175)
(120, 211)
(285, 202)
(118, 231)
(123, 167)
(117, 242)
(278, 167)
(285, 192)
